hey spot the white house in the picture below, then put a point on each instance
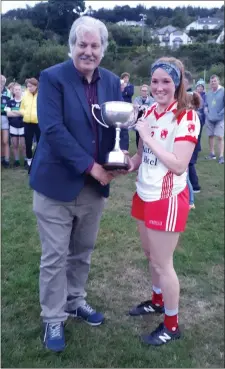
(163, 35)
(129, 23)
(178, 38)
(205, 23)
(172, 37)
(220, 38)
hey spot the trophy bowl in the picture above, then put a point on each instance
(119, 115)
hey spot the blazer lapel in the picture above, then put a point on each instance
(76, 81)
(101, 92)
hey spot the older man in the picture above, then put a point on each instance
(214, 112)
(70, 184)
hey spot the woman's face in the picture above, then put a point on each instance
(162, 87)
(31, 88)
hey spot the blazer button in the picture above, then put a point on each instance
(93, 141)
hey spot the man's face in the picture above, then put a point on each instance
(214, 83)
(87, 52)
(144, 92)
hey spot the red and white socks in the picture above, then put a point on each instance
(171, 316)
(171, 319)
(157, 297)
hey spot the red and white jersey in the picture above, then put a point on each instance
(155, 181)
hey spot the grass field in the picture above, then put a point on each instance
(118, 280)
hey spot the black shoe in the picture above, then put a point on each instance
(16, 164)
(26, 166)
(146, 307)
(5, 164)
(161, 336)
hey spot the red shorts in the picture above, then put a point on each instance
(168, 215)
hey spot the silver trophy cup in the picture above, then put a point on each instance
(117, 114)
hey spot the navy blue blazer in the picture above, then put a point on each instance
(67, 143)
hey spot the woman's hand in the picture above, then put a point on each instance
(142, 126)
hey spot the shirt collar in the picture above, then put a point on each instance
(96, 76)
(171, 108)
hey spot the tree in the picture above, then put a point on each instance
(61, 15)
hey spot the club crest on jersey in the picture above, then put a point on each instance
(191, 127)
(164, 134)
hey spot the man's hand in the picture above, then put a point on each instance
(100, 174)
(131, 167)
(116, 173)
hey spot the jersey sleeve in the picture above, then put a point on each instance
(188, 127)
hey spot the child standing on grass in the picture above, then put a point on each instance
(16, 126)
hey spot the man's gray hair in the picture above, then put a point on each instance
(86, 23)
(215, 76)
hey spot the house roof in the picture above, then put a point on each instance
(210, 20)
(177, 39)
(166, 29)
(178, 33)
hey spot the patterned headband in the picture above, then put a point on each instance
(169, 68)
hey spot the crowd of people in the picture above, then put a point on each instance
(19, 122)
(70, 184)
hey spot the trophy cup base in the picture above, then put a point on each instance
(116, 160)
(115, 166)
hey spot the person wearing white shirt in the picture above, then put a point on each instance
(168, 135)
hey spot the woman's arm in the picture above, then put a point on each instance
(178, 160)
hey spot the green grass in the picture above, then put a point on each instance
(117, 281)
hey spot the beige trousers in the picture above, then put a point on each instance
(68, 232)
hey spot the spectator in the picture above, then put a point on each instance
(16, 127)
(28, 109)
(144, 101)
(188, 81)
(5, 97)
(127, 88)
(144, 98)
(194, 181)
(200, 88)
(214, 111)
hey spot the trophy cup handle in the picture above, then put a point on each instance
(96, 106)
(141, 114)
